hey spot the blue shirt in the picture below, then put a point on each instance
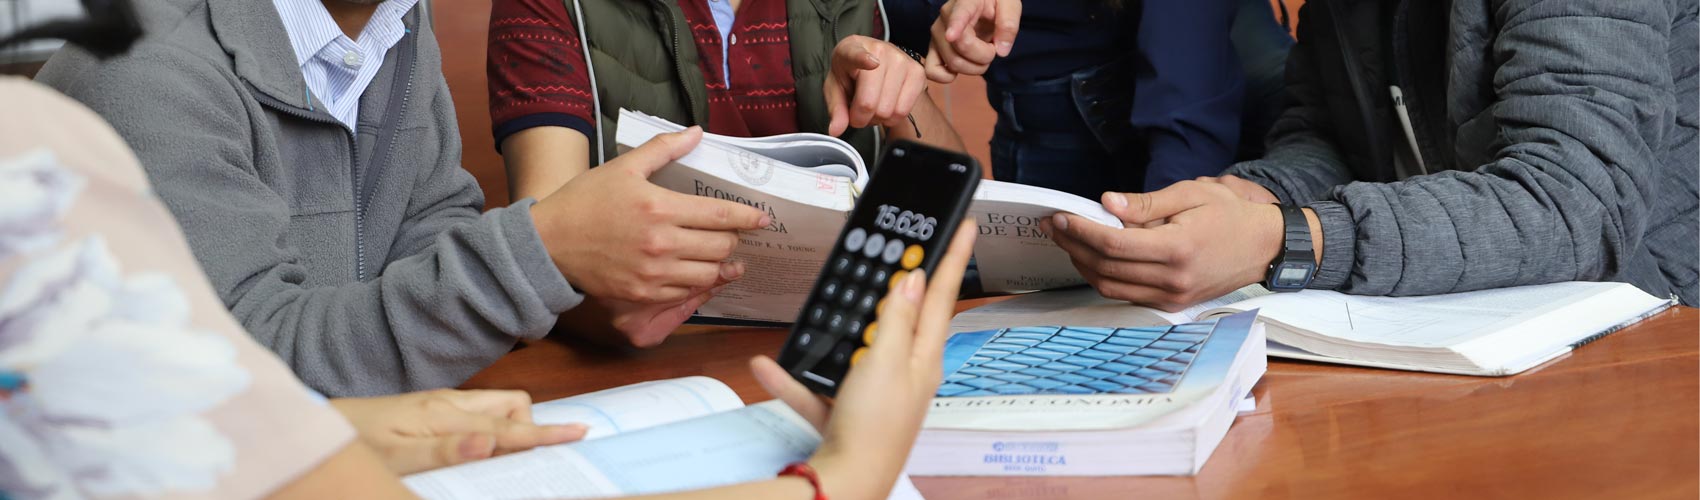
(724, 18)
(337, 70)
(1188, 89)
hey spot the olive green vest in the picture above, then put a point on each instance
(644, 59)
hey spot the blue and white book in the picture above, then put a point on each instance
(1093, 398)
(655, 437)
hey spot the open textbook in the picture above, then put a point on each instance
(1089, 401)
(1489, 332)
(654, 437)
(808, 183)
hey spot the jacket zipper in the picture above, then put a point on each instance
(679, 64)
(1402, 103)
(364, 179)
(1353, 73)
(353, 149)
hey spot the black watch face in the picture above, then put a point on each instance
(1291, 276)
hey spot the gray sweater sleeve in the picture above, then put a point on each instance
(476, 283)
(1573, 124)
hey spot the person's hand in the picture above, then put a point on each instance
(1248, 190)
(872, 83)
(969, 34)
(1212, 242)
(868, 432)
(615, 235)
(421, 431)
(620, 323)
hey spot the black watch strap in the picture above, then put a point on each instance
(1294, 267)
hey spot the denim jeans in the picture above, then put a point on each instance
(1072, 133)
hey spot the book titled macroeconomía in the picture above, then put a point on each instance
(1089, 400)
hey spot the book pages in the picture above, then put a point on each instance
(639, 406)
(1012, 252)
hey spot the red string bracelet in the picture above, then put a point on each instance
(803, 470)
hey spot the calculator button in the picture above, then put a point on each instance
(817, 315)
(860, 273)
(880, 307)
(804, 338)
(912, 256)
(836, 321)
(866, 304)
(829, 290)
(841, 353)
(854, 326)
(848, 296)
(893, 250)
(853, 241)
(880, 275)
(841, 265)
(868, 333)
(876, 244)
(856, 357)
(896, 278)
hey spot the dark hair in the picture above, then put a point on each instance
(110, 28)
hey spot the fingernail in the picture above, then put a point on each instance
(1115, 201)
(1060, 221)
(730, 271)
(875, 59)
(766, 220)
(912, 285)
(569, 430)
(1003, 48)
(477, 446)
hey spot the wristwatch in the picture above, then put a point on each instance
(1293, 268)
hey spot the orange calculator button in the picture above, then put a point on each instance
(856, 357)
(868, 333)
(912, 257)
(896, 278)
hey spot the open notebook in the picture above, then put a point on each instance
(1489, 332)
(653, 437)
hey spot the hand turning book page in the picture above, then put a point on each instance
(1488, 332)
(654, 437)
(808, 183)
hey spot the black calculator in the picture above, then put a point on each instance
(903, 221)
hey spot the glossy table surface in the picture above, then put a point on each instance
(1618, 418)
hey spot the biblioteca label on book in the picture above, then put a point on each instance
(1026, 456)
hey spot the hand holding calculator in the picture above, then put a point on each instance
(904, 221)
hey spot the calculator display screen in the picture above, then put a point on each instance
(909, 204)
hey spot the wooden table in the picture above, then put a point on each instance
(1619, 418)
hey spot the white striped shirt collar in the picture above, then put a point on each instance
(312, 31)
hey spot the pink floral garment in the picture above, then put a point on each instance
(121, 373)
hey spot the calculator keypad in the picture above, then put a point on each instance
(851, 295)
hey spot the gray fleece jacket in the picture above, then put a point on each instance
(362, 259)
(1560, 138)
